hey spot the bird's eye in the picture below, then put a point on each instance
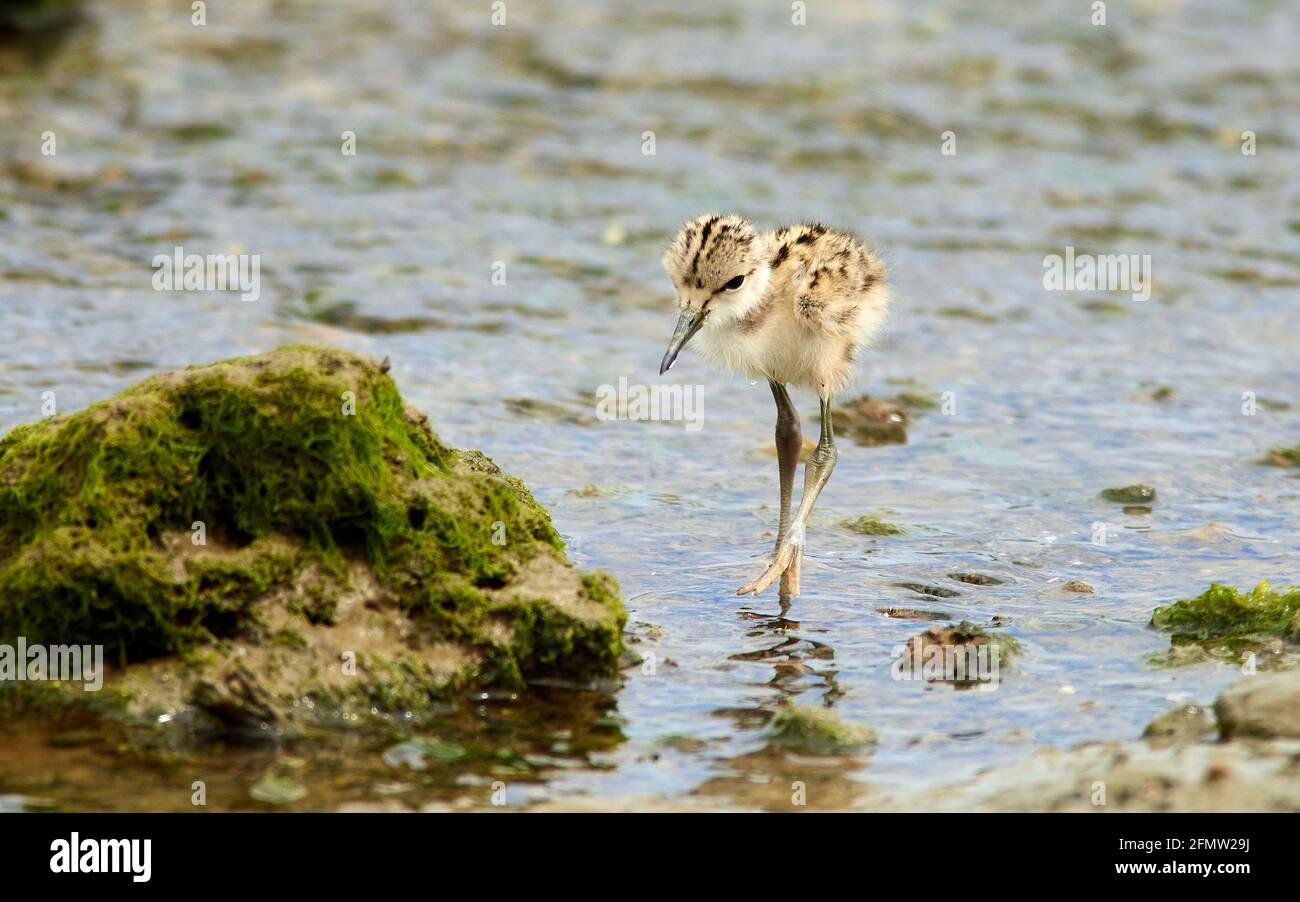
(734, 284)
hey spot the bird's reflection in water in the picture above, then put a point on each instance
(771, 623)
(794, 658)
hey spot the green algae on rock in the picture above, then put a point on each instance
(967, 633)
(976, 579)
(1282, 457)
(896, 613)
(870, 422)
(916, 400)
(1225, 613)
(1130, 494)
(965, 655)
(817, 731)
(872, 526)
(281, 527)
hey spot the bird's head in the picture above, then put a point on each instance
(718, 265)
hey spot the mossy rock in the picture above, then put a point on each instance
(1282, 457)
(347, 555)
(868, 525)
(916, 400)
(965, 655)
(870, 422)
(1223, 613)
(1130, 494)
(817, 731)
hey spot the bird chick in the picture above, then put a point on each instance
(795, 305)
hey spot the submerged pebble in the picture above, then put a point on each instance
(1130, 494)
(964, 633)
(912, 614)
(976, 579)
(277, 790)
(817, 731)
(1282, 457)
(932, 591)
(870, 422)
(872, 526)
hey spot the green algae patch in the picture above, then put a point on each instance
(917, 400)
(1282, 457)
(268, 529)
(1130, 494)
(867, 525)
(870, 422)
(1223, 613)
(817, 731)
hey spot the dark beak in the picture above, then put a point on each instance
(687, 325)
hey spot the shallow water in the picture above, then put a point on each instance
(523, 144)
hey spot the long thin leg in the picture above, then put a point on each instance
(817, 471)
(789, 442)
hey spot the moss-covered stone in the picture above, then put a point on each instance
(967, 633)
(916, 400)
(870, 422)
(817, 731)
(262, 523)
(964, 655)
(867, 525)
(1282, 457)
(976, 579)
(1130, 494)
(1225, 613)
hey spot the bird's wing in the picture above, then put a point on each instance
(829, 276)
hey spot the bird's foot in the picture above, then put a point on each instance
(785, 565)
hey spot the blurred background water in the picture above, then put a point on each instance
(522, 144)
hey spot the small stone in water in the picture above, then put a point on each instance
(870, 422)
(277, 790)
(976, 579)
(414, 753)
(872, 526)
(1130, 494)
